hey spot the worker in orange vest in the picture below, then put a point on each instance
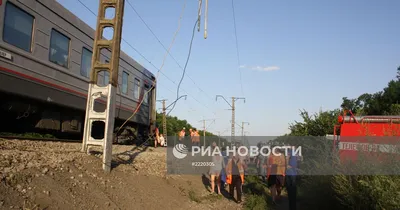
(235, 176)
(182, 135)
(276, 174)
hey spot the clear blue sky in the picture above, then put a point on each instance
(324, 51)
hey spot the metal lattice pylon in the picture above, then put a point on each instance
(109, 91)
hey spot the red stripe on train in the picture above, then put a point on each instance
(55, 85)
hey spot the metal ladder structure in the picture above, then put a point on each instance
(109, 91)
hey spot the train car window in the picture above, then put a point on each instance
(59, 48)
(125, 82)
(146, 97)
(136, 89)
(86, 62)
(106, 78)
(18, 27)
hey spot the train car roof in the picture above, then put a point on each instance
(70, 17)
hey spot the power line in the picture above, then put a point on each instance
(126, 42)
(169, 53)
(187, 61)
(158, 73)
(237, 47)
(163, 73)
(159, 70)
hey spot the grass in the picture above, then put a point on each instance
(193, 196)
(256, 193)
(255, 202)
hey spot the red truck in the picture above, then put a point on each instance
(366, 133)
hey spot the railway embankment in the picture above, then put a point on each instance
(56, 175)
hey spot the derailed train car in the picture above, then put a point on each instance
(45, 60)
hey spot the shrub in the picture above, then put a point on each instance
(329, 184)
(255, 202)
(256, 193)
(368, 192)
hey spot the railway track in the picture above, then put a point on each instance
(53, 139)
(41, 139)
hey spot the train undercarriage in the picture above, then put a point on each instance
(25, 115)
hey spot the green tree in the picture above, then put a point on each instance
(175, 125)
(318, 124)
(398, 73)
(380, 103)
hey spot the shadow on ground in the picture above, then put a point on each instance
(206, 182)
(127, 157)
(124, 158)
(207, 185)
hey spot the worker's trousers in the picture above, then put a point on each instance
(291, 190)
(236, 183)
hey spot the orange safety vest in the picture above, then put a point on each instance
(192, 135)
(279, 169)
(229, 171)
(181, 134)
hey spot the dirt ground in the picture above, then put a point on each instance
(55, 175)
